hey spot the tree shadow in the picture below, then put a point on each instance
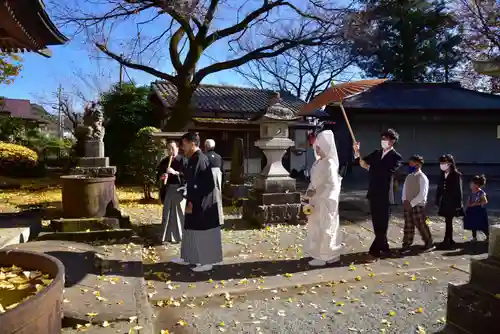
(45, 210)
(468, 248)
(140, 201)
(245, 269)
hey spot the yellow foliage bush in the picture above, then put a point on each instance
(16, 159)
(13, 152)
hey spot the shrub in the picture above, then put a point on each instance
(17, 160)
(144, 158)
(237, 161)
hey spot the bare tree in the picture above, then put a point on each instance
(481, 40)
(190, 28)
(304, 71)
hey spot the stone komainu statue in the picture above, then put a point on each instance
(93, 122)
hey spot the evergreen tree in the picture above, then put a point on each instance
(405, 40)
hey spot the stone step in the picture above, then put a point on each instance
(18, 228)
(485, 274)
(471, 310)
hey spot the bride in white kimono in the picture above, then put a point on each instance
(323, 242)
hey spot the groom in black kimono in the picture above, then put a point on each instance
(201, 243)
(381, 165)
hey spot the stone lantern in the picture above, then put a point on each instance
(273, 198)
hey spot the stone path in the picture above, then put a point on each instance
(268, 263)
(395, 304)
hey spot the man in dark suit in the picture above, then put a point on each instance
(381, 165)
(217, 165)
(215, 159)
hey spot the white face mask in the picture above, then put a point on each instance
(384, 144)
(444, 167)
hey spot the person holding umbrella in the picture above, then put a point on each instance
(381, 165)
(170, 174)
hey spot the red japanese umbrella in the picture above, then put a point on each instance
(337, 93)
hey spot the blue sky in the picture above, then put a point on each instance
(40, 77)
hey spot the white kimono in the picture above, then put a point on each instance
(323, 240)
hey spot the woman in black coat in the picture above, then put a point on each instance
(449, 196)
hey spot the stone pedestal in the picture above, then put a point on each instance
(274, 198)
(90, 192)
(94, 162)
(474, 307)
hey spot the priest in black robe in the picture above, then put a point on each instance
(202, 241)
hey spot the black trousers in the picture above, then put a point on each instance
(381, 212)
(448, 234)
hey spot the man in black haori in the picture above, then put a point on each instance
(170, 175)
(202, 241)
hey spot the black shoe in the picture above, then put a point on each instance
(429, 247)
(405, 250)
(447, 244)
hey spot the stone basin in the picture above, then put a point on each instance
(40, 314)
(89, 197)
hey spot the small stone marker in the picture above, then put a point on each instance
(494, 243)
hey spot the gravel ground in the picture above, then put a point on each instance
(412, 303)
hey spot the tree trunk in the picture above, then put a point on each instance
(446, 67)
(181, 113)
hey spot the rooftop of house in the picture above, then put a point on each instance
(230, 99)
(422, 96)
(21, 109)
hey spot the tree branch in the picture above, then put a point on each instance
(134, 66)
(258, 53)
(173, 49)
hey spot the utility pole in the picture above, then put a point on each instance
(60, 113)
(121, 73)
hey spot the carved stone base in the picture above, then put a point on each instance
(93, 162)
(275, 184)
(273, 208)
(95, 171)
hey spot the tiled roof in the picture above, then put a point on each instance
(227, 98)
(415, 96)
(19, 109)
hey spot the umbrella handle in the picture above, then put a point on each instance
(347, 122)
(169, 164)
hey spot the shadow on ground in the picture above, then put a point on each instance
(242, 270)
(45, 210)
(468, 248)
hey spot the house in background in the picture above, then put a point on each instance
(224, 113)
(23, 109)
(431, 118)
(34, 116)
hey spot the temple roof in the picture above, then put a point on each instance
(228, 99)
(25, 26)
(422, 96)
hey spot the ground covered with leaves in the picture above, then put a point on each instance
(266, 286)
(45, 194)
